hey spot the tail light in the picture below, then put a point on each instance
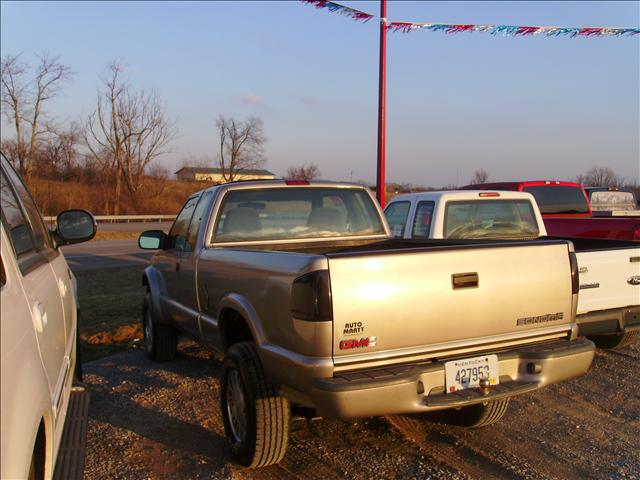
(575, 276)
(636, 232)
(311, 297)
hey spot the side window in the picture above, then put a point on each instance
(396, 214)
(41, 237)
(197, 221)
(15, 222)
(422, 220)
(180, 229)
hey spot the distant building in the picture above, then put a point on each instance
(201, 174)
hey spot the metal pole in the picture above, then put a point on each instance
(382, 108)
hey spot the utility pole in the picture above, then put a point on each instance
(382, 108)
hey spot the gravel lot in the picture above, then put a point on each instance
(151, 420)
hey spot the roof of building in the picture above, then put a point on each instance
(219, 171)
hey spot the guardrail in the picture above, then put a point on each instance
(125, 218)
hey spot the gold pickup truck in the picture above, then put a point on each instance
(313, 303)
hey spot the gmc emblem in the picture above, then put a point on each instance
(363, 342)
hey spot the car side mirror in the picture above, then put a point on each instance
(75, 226)
(152, 240)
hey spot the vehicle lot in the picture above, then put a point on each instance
(162, 420)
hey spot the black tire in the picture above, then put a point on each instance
(256, 418)
(615, 341)
(478, 415)
(160, 341)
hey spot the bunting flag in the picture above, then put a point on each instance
(515, 30)
(357, 15)
(505, 30)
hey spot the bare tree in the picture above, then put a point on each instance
(600, 177)
(241, 145)
(479, 176)
(126, 132)
(304, 172)
(23, 99)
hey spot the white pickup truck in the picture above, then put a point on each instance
(609, 297)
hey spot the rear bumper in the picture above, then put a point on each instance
(421, 387)
(615, 320)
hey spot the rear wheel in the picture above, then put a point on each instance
(160, 341)
(478, 415)
(615, 341)
(256, 418)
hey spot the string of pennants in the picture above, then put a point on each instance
(505, 30)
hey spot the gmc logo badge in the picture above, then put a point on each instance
(363, 342)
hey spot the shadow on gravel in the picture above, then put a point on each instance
(124, 390)
(158, 426)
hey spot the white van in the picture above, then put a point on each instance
(38, 333)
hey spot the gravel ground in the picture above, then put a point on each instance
(161, 421)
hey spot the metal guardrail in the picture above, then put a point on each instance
(125, 218)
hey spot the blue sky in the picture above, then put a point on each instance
(521, 108)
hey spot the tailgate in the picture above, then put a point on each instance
(607, 279)
(403, 303)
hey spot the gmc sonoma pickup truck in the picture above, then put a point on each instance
(566, 210)
(609, 299)
(313, 304)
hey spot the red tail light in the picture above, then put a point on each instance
(575, 275)
(311, 297)
(489, 194)
(636, 232)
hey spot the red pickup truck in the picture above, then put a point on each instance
(566, 210)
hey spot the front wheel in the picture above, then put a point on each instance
(256, 418)
(478, 415)
(160, 341)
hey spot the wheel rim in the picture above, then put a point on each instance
(148, 330)
(236, 407)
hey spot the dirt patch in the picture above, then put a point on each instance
(123, 334)
(162, 420)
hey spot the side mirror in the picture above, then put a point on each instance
(152, 240)
(75, 226)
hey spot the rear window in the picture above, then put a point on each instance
(605, 200)
(296, 213)
(559, 199)
(490, 219)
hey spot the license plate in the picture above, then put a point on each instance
(467, 372)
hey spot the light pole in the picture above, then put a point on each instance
(382, 92)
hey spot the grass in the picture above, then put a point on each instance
(115, 235)
(110, 310)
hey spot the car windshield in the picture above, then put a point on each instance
(296, 213)
(559, 199)
(490, 219)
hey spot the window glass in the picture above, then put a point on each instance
(422, 220)
(559, 199)
(604, 200)
(41, 237)
(296, 213)
(179, 230)
(196, 221)
(16, 223)
(396, 214)
(490, 219)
